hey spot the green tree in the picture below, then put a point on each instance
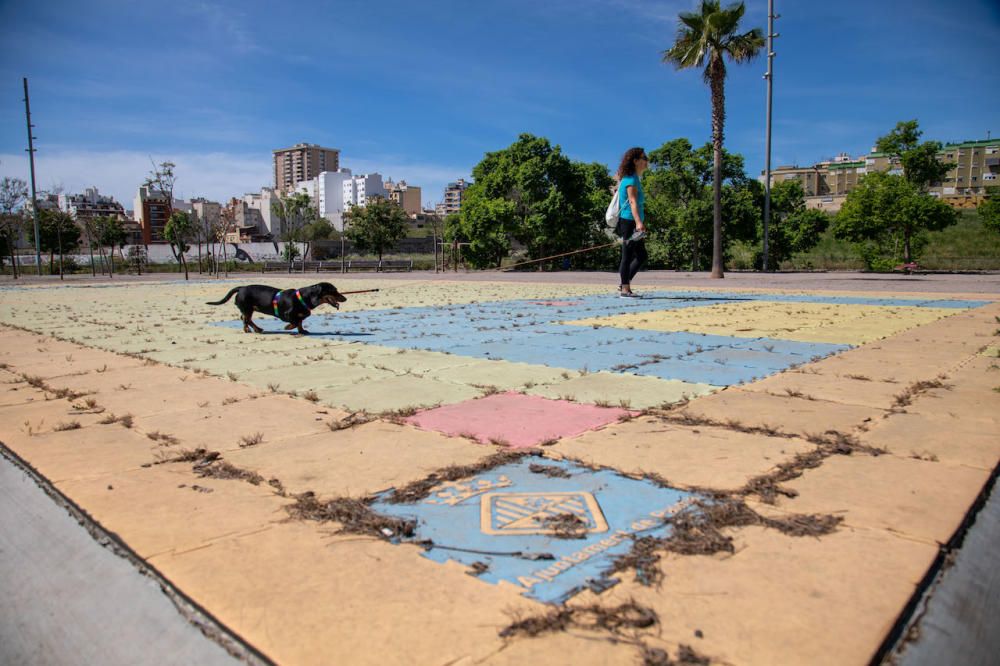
(707, 38)
(794, 228)
(886, 217)
(680, 207)
(109, 232)
(532, 193)
(919, 160)
(13, 194)
(989, 209)
(180, 229)
(377, 227)
(294, 212)
(58, 232)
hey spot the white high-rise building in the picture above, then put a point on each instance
(359, 189)
(262, 202)
(327, 191)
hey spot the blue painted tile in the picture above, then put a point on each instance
(498, 519)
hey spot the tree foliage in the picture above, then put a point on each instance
(530, 192)
(794, 228)
(989, 209)
(919, 160)
(680, 203)
(13, 194)
(377, 227)
(708, 37)
(887, 217)
(181, 228)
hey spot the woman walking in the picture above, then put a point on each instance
(631, 226)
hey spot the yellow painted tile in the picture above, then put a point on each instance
(805, 322)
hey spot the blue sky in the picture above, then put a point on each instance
(420, 92)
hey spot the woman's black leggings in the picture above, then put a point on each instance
(633, 253)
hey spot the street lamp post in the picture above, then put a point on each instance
(34, 197)
(769, 76)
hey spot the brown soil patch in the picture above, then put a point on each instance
(549, 470)
(354, 516)
(697, 530)
(566, 526)
(629, 615)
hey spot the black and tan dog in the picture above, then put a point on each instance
(290, 305)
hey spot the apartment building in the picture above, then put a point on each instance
(327, 192)
(358, 190)
(303, 161)
(452, 201)
(151, 212)
(89, 205)
(405, 196)
(826, 183)
(207, 214)
(262, 201)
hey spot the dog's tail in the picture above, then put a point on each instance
(227, 297)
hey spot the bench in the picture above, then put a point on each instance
(397, 265)
(363, 265)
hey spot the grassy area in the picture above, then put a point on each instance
(966, 246)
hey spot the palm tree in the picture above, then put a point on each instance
(712, 34)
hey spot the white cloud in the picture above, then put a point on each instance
(216, 176)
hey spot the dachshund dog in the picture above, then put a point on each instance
(289, 305)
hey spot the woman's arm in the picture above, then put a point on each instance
(633, 201)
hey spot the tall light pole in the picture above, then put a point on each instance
(34, 198)
(771, 34)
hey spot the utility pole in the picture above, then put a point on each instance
(771, 34)
(34, 197)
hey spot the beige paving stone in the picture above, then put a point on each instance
(41, 416)
(687, 456)
(616, 389)
(227, 361)
(88, 452)
(227, 426)
(396, 393)
(303, 597)
(505, 375)
(786, 600)
(154, 389)
(357, 461)
(851, 389)
(18, 392)
(73, 361)
(790, 415)
(169, 509)
(316, 375)
(946, 439)
(420, 362)
(915, 499)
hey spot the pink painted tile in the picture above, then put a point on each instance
(520, 420)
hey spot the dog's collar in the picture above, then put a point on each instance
(274, 302)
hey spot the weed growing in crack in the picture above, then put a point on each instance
(251, 440)
(71, 425)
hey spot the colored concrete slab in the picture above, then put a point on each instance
(687, 456)
(358, 461)
(810, 322)
(622, 390)
(786, 600)
(942, 438)
(916, 499)
(515, 420)
(852, 389)
(306, 605)
(501, 519)
(394, 393)
(168, 509)
(787, 414)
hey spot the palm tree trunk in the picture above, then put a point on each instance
(717, 79)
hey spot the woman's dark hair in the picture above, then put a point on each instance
(627, 167)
